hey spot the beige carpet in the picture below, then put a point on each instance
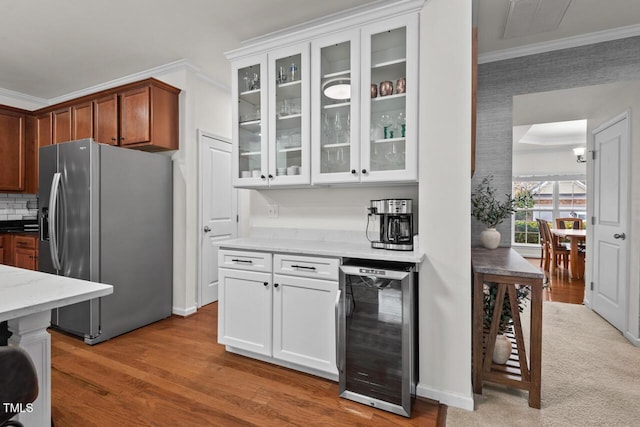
(590, 377)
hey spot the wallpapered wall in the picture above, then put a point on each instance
(498, 82)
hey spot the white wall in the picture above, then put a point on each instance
(207, 106)
(551, 162)
(325, 208)
(445, 191)
(612, 107)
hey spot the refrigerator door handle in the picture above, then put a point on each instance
(53, 213)
(339, 341)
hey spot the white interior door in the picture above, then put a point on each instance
(610, 228)
(219, 208)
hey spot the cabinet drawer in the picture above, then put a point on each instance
(25, 242)
(245, 260)
(316, 267)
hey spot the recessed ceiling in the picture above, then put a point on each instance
(545, 135)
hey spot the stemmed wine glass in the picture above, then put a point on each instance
(402, 123)
(386, 122)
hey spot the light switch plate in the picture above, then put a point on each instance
(273, 211)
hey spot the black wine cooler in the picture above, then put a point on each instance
(376, 333)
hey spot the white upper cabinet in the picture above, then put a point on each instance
(289, 116)
(389, 114)
(334, 103)
(250, 121)
(335, 108)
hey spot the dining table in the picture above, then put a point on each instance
(575, 237)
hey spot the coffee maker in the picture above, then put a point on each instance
(396, 224)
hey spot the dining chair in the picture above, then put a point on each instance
(544, 246)
(562, 223)
(18, 383)
(557, 252)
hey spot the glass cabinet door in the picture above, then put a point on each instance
(289, 116)
(250, 148)
(390, 60)
(335, 100)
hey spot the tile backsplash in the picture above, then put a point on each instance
(17, 206)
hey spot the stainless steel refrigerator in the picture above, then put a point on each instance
(105, 215)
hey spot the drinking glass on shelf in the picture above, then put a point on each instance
(402, 122)
(337, 126)
(386, 122)
(247, 81)
(327, 128)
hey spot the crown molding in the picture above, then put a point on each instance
(377, 11)
(564, 43)
(179, 65)
(19, 96)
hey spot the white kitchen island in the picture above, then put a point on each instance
(26, 300)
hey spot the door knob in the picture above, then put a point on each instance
(207, 229)
(620, 236)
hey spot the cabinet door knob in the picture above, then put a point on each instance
(353, 171)
(113, 138)
(266, 284)
(262, 177)
(270, 176)
(364, 171)
(275, 285)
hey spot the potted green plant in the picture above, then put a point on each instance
(502, 348)
(487, 209)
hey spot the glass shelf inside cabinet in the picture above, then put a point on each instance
(249, 122)
(388, 100)
(289, 115)
(335, 120)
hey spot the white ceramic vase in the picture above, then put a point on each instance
(502, 350)
(490, 238)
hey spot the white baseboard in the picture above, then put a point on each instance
(633, 340)
(184, 312)
(449, 399)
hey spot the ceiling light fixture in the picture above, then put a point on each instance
(579, 153)
(338, 88)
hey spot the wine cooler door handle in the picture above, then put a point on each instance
(339, 342)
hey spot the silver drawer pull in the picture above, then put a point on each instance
(244, 261)
(304, 267)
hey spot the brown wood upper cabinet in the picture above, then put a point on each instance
(43, 129)
(61, 125)
(149, 117)
(82, 120)
(105, 119)
(12, 149)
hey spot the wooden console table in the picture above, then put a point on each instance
(505, 268)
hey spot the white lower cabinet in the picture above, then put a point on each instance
(245, 310)
(304, 322)
(289, 318)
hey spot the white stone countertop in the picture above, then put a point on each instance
(322, 248)
(24, 292)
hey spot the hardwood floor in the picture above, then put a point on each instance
(561, 288)
(173, 372)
